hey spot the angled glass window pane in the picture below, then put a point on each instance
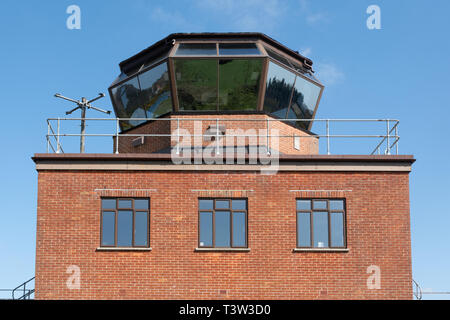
(124, 228)
(239, 229)
(125, 204)
(222, 231)
(196, 49)
(196, 82)
(222, 204)
(206, 229)
(239, 83)
(238, 49)
(108, 203)
(141, 204)
(155, 99)
(279, 85)
(140, 228)
(278, 57)
(303, 204)
(205, 204)
(239, 204)
(319, 204)
(337, 229)
(320, 226)
(304, 100)
(126, 101)
(303, 229)
(337, 205)
(108, 228)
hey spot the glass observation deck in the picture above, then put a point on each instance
(216, 73)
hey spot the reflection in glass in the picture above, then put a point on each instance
(318, 204)
(222, 204)
(238, 49)
(303, 204)
(125, 204)
(141, 204)
(108, 203)
(304, 100)
(222, 231)
(108, 228)
(320, 226)
(337, 229)
(279, 86)
(303, 229)
(196, 49)
(205, 204)
(239, 204)
(124, 228)
(206, 229)
(239, 83)
(196, 82)
(239, 237)
(336, 204)
(140, 228)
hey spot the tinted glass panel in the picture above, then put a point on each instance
(108, 203)
(205, 204)
(336, 205)
(196, 82)
(140, 228)
(108, 228)
(239, 237)
(126, 99)
(239, 84)
(239, 204)
(197, 49)
(337, 229)
(304, 100)
(319, 204)
(125, 204)
(205, 229)
(303, 229)
(222, 232)
(279, 85)
(222, 204)
(303, 204)
(141, 204)
(320, 225)
(238, 49)
(124, 228)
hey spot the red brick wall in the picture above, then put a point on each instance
(68, 233)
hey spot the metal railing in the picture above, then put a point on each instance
(388, 138)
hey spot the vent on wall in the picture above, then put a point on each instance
(139, 141)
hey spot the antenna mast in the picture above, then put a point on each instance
(83, 105)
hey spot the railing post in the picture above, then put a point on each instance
(117, 135)
(396, 138)
(178, 136)
(48, 135)
(388, 147)
(58, 150)
(328, 136)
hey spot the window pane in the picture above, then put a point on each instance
(239, 84)
(126, 99)
(303, 204)
(197, 49)
(196, 82)
(238, 49)
(278, 90)
(124, 228)
(337, 229)
(303, 229)
(205, 204)
(304, 100)
(222, 204)
(337, 205)
(125, 204)
(205, 229)
(239, 204)
(155, 99)
(108, 228)
(140, 228)
(141, 204)
(222, 231)
(320, 204)
(108, 203)
(239, 229)
(320, 225)
(278, 57)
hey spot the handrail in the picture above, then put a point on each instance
(26, 293)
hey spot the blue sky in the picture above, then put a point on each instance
(400, 71)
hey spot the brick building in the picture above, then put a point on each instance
(216, 189)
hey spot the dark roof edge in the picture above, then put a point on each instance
(167, 41)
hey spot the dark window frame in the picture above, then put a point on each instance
(213, 211)
(311, 220)
(116, 211)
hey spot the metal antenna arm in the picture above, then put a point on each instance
(98, 109)
(69, 112)
(100, 95)
(57, 95)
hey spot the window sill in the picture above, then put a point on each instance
(320, 250)
(122, 249)
(223, 249)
